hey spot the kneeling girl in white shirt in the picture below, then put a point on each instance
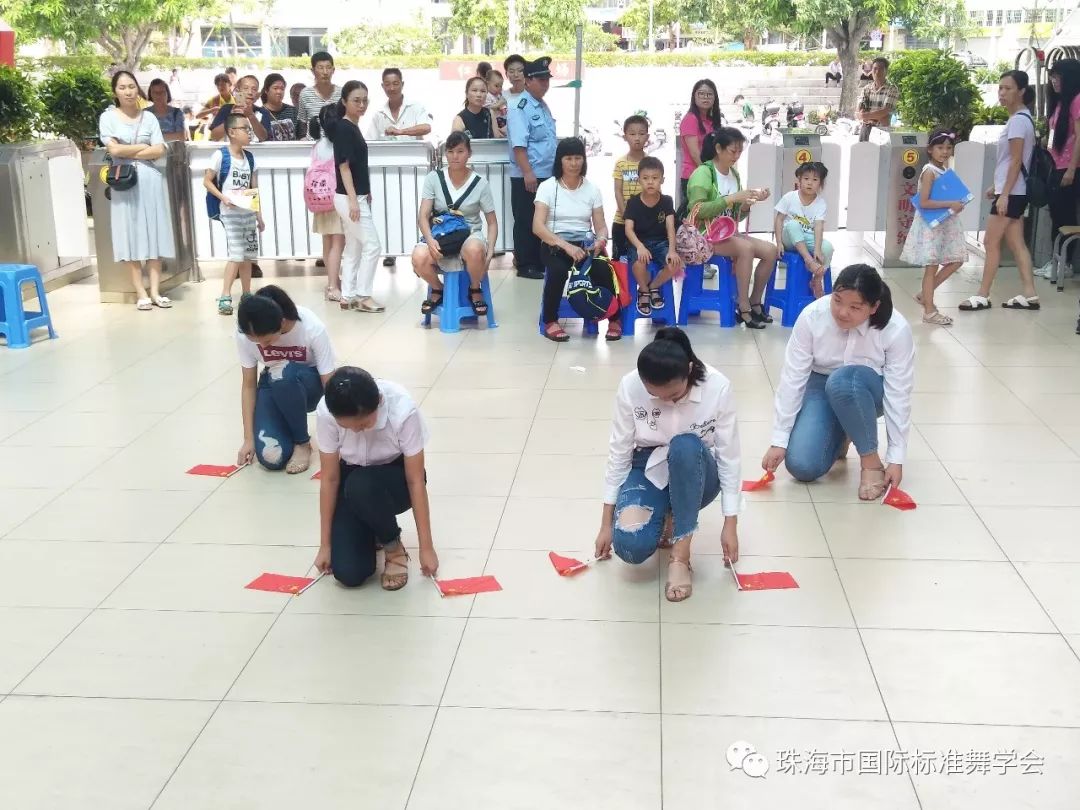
(371, 442)
(850, 359)
(674, 448)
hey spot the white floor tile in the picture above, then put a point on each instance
(1056, 586)
(121, 516)
(27, 635)
(17, 505)
(1034, 534)
(64, 574)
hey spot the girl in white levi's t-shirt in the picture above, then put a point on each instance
(294, 347)
(371, 443)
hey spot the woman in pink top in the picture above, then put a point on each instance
(1063, 104)
(701, 119)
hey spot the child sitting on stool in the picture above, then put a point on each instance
(800, 222)
(650, 229)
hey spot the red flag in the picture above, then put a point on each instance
(761, 483)
(767, 581)
(460, 587)
(279, 583)
(566, 565)
(898, 499)
(214, 470)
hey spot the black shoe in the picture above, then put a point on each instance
(389, 261)
(534, 273)
(256, 271)
(760, 314)
(320, 263)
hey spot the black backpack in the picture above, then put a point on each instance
(1039, 177)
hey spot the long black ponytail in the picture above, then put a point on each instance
(867, 282)
(262, 313)
(670, 357)
(331, 115)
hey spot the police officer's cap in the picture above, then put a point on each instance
(538, 68)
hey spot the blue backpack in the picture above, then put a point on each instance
(213, 204)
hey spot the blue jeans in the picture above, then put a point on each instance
(640, 509)
(657, 247)
(847, 403)
(281, 409)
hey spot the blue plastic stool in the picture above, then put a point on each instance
(662, 317)
(455, 306)
(17, 322)
(696, 298)
(796, 294)
(566, 312)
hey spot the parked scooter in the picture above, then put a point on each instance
(770, 117)
(795, 115)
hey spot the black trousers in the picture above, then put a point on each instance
(558, 264)
(619, 244)
(365, 517)
(1062, 205)
(526, 243)
(836, 77)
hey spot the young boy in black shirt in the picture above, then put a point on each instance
(650, 230)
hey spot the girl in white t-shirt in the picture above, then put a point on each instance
(371, 445)
(800, 222)
(294, 348)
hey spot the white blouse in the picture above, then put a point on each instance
(642, 420)
(818, 344)
(399, 430)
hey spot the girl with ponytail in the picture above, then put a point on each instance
(674, 449)
(850, 359)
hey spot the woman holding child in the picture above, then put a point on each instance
(715, 189)
(850, 359)
(674, 449)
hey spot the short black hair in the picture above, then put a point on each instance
(222, 77)
(867, 282)
(262, 313)
(320, 56)
(351, 391)
(670, 357)
(392, 71)
(568, 147)
(719, 139)
(458, 138)
(650, 163)
(513, 59)
(635, 119)
(881, 60)
(159, 83)
(483, 69)
(815, 166)
(231, 69)
(235, 120)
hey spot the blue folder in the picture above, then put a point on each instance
(946, 187)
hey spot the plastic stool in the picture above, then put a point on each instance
(566, 312)
(17, 322)
(1067, 235)
(455, 306)
(696, 298)
(664, 316)
(796, 294)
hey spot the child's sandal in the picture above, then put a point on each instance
(644, 307)
(656, 299)
(224, 305)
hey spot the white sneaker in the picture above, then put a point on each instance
(1046, 271)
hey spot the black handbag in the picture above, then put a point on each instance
(124, 176)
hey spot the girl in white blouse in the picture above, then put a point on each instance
(371, 442)
(850, 359)
(674, 448)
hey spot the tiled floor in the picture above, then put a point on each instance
(137, 672)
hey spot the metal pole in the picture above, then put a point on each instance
(577, 79)
(512, 30)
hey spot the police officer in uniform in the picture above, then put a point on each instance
(531, 133)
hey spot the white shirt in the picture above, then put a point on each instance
(411, 114)
(1019, 127)
(399, 430)
(569, 212)
(307, 342)
(818, 344)
(726, 184)
(239, 177)
(642, 420)
(806, 215)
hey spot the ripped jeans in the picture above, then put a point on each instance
(282, 403)
(640, 509)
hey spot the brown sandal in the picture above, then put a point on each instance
(398, 579)
(614, 331)
(553, 331)
(679, 591)
(871, 484)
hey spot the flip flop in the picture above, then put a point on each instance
(975, 303)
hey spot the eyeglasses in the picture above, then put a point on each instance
(705, 94)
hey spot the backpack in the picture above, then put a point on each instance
(449, 228)
(592, 301)
(1038, 177)
(213, 204)
(320, 184)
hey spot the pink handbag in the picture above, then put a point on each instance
(721, 229)
(690, 243)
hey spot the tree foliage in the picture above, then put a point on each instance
(19, 106)
(550, 24)
(73, 100)
(935, 90)
(386, 40)
(123, 28)
(665, 13)
(478, 18)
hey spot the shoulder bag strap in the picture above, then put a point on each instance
(445, 191)
(1035, 139)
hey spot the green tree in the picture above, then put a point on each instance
(636, 18)
(123, 28)
(550, 23)
(477, 18)
(74, 99)
(386, 40)
(935, 90)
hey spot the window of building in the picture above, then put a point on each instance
(999, 16)
(227, 42)
(1013, 16)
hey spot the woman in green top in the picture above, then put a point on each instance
(716, 186)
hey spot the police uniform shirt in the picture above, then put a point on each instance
(531, 125)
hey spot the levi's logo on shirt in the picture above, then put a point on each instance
(272, 354)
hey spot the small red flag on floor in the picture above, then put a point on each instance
(566, 565)
(767, 581)
(898, 499)
(279, 583)
(214, 470)
(461, 587)
(761, 483)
